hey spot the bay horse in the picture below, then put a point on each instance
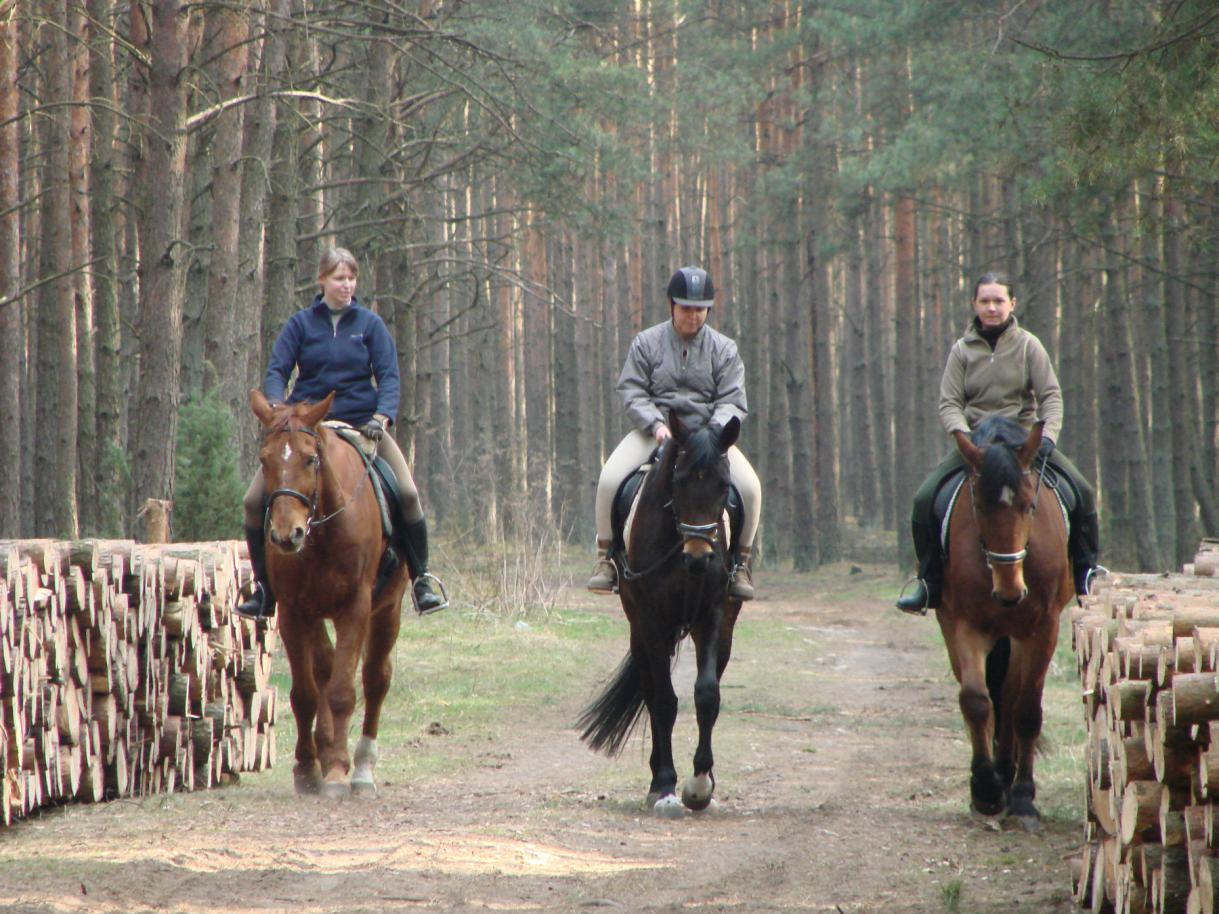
(325, 543)
(1006, 581)
(673, 580)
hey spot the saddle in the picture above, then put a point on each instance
(950, 489)
(628, 494)
(385, 488)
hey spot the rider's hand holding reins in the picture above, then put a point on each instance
(373, 429)
(661, 433)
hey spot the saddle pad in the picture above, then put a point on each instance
(356, 438)
(353, 437)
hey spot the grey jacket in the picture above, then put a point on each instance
(701, 380)
(1015, 380)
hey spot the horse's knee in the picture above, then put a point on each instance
(1027, 722)
(707, 694)
(975, 706)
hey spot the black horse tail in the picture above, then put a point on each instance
(610, 720)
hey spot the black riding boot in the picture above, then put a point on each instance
(262, 603)
(926, 594)
(1084, 548)
(412, 540)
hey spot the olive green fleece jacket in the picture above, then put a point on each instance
(1015, 380)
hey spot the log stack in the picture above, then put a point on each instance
(1147, 648)
(125, 672)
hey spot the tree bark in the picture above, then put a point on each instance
(162, 259)
(11, 307)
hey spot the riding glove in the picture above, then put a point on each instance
(1046, 448)
(373, 429)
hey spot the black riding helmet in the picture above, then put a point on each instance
(692, 287)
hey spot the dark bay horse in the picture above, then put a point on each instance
(1006, 582)
(673, 581)
(325, 542)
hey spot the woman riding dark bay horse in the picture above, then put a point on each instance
(1006, 582)
(674, 581)
(325, 544)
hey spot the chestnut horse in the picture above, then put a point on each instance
(673, 581)
(325, 543)
(1006, 581)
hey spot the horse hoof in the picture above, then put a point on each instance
(1030, 824)
(363, 789)
(668, 807)
(335, 790)
(307, 782)
(697, 790)
(986, 808)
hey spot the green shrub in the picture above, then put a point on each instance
(208, 487)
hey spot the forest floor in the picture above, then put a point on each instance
(842, 775)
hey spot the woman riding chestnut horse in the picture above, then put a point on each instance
(338, 345)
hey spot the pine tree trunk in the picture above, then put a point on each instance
(161, 258)
(82, 229)
(11, 307)
(1122, 449)
(225, 42)
(1180, 380)
(57, 382)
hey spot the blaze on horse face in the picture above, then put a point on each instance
(1003, 494)
(700, 488)
(291, 465)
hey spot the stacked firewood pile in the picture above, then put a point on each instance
(1148, 650)
(125, 672)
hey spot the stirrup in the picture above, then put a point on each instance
(444, 594)
(914, 611)
(1094, 572)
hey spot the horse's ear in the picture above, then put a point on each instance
(314, 413)
(971, 452)
(729, 433)
(261, 407)
(1028, 451)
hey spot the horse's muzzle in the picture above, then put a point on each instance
(1009, 602)
(696, 564)
(293, 542)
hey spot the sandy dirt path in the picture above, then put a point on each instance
(841, 769)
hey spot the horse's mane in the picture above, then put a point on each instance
(1001, 469)
(282, 416)
(704, 449)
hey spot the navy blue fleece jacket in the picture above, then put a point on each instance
(346, 359)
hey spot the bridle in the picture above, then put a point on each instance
(309, 501)
(1004, 558)
(708, 533)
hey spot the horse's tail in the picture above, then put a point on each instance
(609, 721)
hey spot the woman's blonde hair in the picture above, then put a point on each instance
(333, 258)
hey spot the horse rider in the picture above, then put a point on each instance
(337, 344)
(683, 366)
(998, 367)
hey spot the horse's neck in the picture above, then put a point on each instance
(335, 484)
